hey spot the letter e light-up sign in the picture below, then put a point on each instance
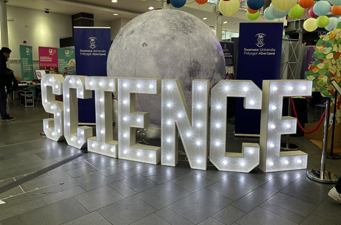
(103, 143)
(53, 85)
(129, 120)
(192, 129)
(74, 88)
(273, 125)
(227, 161)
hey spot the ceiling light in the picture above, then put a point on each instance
(114, 1)
(225, 22)
(151, 8)
(205, 18)
(115, 14)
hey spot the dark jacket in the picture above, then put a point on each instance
(3, 69)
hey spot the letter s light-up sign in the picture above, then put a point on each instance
(176, 120)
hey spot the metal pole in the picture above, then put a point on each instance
(325, 140)
(4, 29)
(218, 23)
(332, 154)
(289, 114)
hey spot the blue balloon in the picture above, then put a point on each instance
(178, 3)
(255, 4)
(267, 14)
(276, 13)
(322, 8)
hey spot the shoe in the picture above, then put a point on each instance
(8, 118)
(335, 195)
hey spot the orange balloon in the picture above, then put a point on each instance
(201, 1)
(306, 3)
(251, 10)
(336, 10)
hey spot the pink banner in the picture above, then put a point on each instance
(48, 57)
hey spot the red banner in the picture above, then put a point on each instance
(48, 57)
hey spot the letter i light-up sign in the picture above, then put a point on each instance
(53, 85)
(273, 125)
(176, 119)
(129, 120)
(74, 88)
(103, 143)
(228, 161)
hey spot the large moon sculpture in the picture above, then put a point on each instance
(166, 44)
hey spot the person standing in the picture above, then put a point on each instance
(335, 192)
(4, 55)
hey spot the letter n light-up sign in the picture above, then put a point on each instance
(177, 121)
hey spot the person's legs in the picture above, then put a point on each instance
(3, 102)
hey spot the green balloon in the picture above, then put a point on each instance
(252, 16)
(296, 12)
(322, 21)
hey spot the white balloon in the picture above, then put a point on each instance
(332, 24)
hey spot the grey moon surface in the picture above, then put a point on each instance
(166, 44)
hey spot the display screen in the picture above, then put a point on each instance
(40, 74)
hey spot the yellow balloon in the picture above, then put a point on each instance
(310, 25)
(229, 8)
(284, 5)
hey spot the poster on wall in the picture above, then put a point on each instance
(66, 61)
(228, 49)
(259, 58)
(26, 60)
(48, 59)
(92, 46)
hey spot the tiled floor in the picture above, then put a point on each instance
(95, 189)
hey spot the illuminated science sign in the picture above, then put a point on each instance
(176, 120)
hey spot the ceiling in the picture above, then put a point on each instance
(104, 9)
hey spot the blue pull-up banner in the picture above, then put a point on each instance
(259, 58)
(92, 46)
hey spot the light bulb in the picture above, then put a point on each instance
(125, 118)
(77, 82)
(290, 88)
(102, 116)
(100, 83)
(169, 122)
(251, 151)
(271, 163)
(81, 93)
(198, 143)
(68, 124)
(52, 133)
(272, 145)
(242, 163)
(79, 141)
(188, 134)
(102, 131)
(45, 100)
(299, 161)
(199, 106)
(91, 83)
(218, 125)
(199, 161)
(70, 81)
(52, 107)
(273, 126)
(124, 84)
(138, 85)
(93, 145)
(304, 88)
(168, 140)
(68, 96)
(180, 115)
(47, 126)
(45, 85)
(125, 102)
(68, 110)
(102, 147)
(125, 152)
(245, 88)
(286, 162)
(110, 84)
(138, 154)
(199, 125)
(138, 120)
(101, 99)
(218, 107)
(225, 162)
(151, 86)
(50, 80)
(150, 155)
(168, 157)
(169, 105)
(273, 107)
(125, 135)
(58, 114)
(252, 102)
(71, 139)
(288, 125)
(227, 88)
(200, 88)
(56, 86)
(217, 143)
(82, 132)
(275, 88)
(169, 86)
(112, 150)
